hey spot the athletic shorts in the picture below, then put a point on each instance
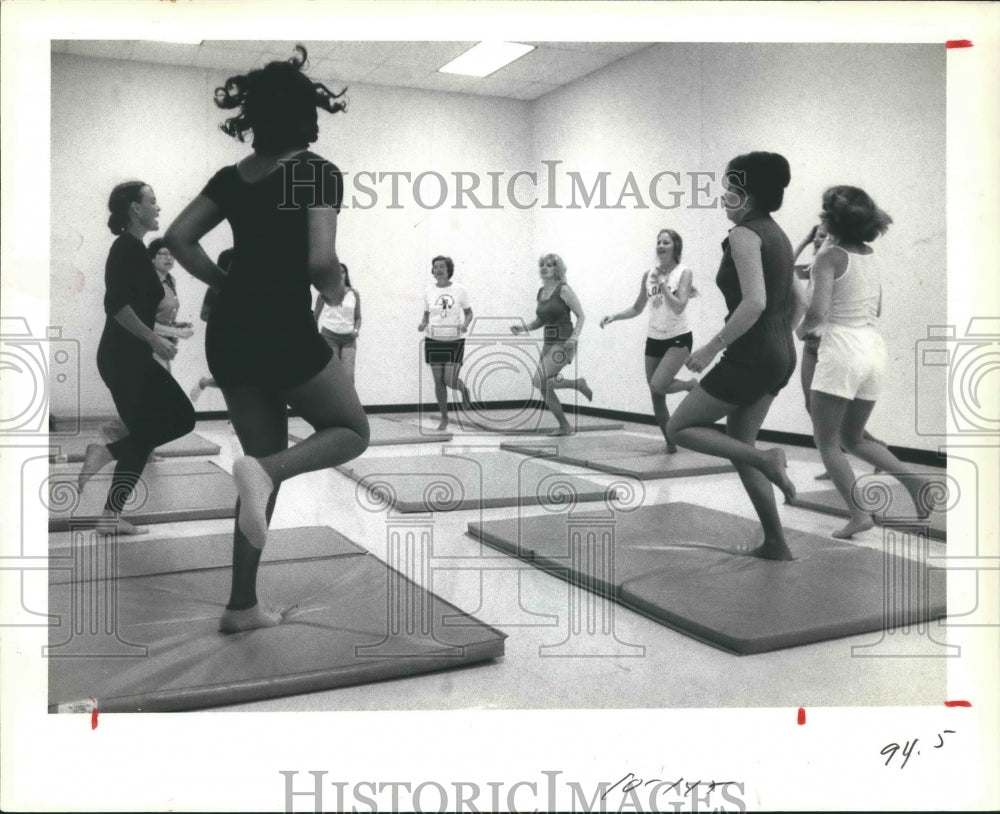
(444, 351)
(335, 340)
(851, 363)
(657, 348)
(759, 363)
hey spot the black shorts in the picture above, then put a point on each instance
(657, 348)
(288, 354)
(444, 351)
(754, 366)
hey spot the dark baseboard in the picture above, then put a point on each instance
(921, 457)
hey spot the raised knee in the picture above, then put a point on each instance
(850, 443)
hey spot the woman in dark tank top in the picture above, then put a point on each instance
(556, 301)
(756, 278)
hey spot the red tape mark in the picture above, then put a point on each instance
(93, 714)
(802, 716)
(958, 44)
(957, 704)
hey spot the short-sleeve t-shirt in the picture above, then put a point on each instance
(269, 275)
(445, 307)
(664, 322)
(129, 280)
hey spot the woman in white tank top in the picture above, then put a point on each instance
(340, 325)
(845, 306)
(666, 288)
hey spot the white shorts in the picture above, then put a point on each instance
(851, 363)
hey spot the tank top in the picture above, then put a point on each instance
(554, 314)
(778, 261)
(167, 308)
(664, 323)
(339, 319)
(856, 293)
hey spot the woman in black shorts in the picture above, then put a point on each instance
(756, 278)
(282, 202)
(447, 316)
(149, 402)
(666, 288)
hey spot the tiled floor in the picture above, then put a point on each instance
(642, 665)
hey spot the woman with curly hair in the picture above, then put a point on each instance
(757, 279)
(282, 202)
(845, 306)
(556, 301)
(151, 405)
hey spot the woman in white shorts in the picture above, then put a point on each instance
(845, 306)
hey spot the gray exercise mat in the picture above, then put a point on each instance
(474, 480)
(639, 456)
(347, 619)
(679, 564)
(899, 511)
(71, 449)
(384, 432)
(168, 491)
(506, 422)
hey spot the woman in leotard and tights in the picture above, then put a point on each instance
(282, 202)
(151, 405)
(556, 301)
(756, 278)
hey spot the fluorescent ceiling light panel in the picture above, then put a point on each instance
(179, 38)
(486, 58)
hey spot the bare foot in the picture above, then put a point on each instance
(122, 527)
(235, 621)
(823, 476)
(773, 550)
(442, 425)
(254, 487)
(563, 430)
(775, 470)
(96, 458)
(671, 448)
(855, 525)
(584, 388)
(749, 546)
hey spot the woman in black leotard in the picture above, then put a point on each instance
(556, 300)
(756, 278)
(150, 403)
(282, 202)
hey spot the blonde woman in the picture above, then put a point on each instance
(556, 303)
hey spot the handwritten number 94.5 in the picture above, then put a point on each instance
(907, 749)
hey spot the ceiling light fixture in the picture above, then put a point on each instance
(177, 39)
(486, 58)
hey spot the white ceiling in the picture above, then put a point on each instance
(400, 64)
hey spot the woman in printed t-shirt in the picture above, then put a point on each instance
(666, 288)
(447, 316)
